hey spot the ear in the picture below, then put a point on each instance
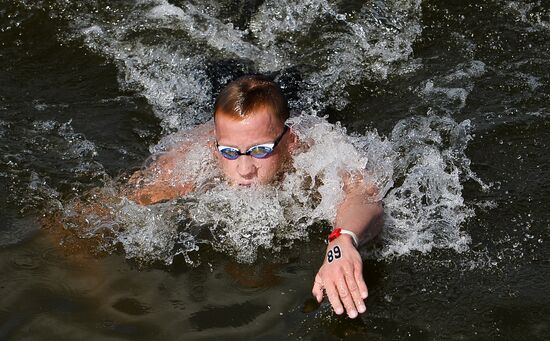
(212, 146)
(211, 143)
(293, 142)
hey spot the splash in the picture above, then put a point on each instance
(418, 171)
(46, 144)
(536, 15)
(179, 55)
(450, 92)
(427, 208)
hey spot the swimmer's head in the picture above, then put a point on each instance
(252, 111)
(248, 94)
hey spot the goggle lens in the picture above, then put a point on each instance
(260, 152)
(229, 153)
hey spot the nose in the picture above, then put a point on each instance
(246, 167)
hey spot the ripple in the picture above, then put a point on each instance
(131, 306)
(234, 315)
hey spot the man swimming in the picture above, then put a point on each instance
(253, 146)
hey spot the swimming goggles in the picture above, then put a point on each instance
(260, 151)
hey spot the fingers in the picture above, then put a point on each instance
(317, 290)
(346, 298)
(355, 293)
(344, 295)
(363, 290)
(334, 298)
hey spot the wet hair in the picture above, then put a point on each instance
(246, 94)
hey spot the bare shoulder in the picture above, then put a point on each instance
(163, 174)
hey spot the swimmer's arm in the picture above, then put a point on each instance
(342, 278)
(161, 180)
(359, 212)
(158, 181)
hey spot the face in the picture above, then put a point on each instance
(258, 128)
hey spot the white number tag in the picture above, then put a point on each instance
(334, 254)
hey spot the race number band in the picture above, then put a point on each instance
(338, 232)
(334, 254)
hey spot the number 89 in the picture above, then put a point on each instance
(333, 254)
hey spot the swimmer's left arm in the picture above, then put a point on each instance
(341, 274)
(157, 182)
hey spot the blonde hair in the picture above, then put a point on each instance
(248, 94)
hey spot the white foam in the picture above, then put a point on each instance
(536, 16)
(163, 50)
(425, 155)
(450, 92)
(165, 11)
(347, 49)
(427, 209)
(92, 30)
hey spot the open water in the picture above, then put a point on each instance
(445, 103)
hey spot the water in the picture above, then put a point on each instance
(445, 105)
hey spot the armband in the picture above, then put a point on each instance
(338, 232)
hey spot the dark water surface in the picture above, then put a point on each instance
(83, 91)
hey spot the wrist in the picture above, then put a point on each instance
(339, 233)
(343, 240)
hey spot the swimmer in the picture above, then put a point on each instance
(253, 146)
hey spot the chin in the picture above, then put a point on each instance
(253, 182)
(242, 183)
(250, 183)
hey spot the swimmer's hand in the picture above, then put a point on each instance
(341, 276)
